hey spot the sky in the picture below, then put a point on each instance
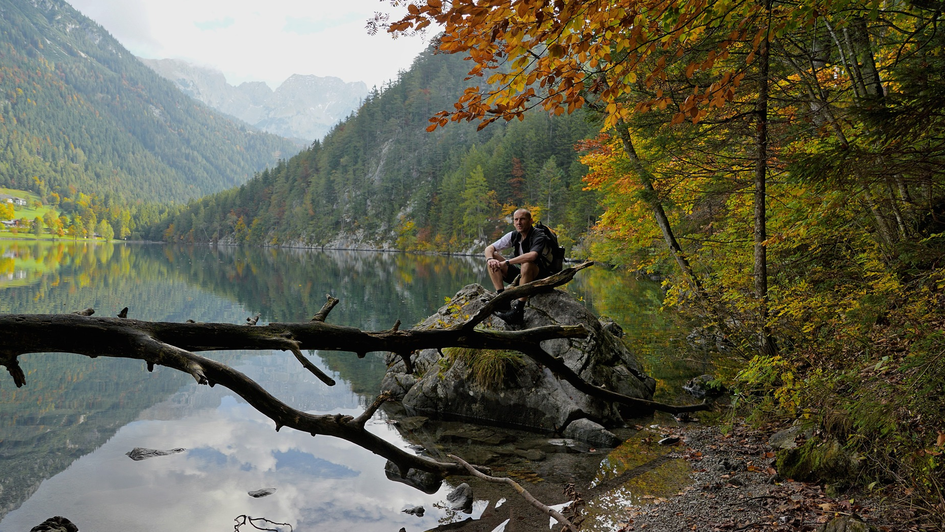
(260, 40)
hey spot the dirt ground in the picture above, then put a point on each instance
(736, 488)
(730, 485)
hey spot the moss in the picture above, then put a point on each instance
(818, 461)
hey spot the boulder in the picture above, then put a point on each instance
(523, 394)
(461, 498)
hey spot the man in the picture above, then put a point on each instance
(526, 245)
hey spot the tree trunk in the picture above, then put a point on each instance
(766, 343)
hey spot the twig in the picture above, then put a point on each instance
(243, 519)
(307, 364)
(518, 488)
(367, 414)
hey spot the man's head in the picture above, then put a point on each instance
(522, 220)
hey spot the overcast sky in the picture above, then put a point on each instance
(259, 40)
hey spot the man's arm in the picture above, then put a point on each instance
(531, 256)
(491, 252)
(536, 246)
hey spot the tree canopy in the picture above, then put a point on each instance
(781, 162)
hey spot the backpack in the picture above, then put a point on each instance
(553, 255)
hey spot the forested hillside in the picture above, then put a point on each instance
(87, 126)
(381, 180)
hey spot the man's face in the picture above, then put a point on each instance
(522, 220)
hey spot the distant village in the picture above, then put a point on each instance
(17, 202)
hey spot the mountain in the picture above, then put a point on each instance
(81, 119)
(379, 179)
(303, 107)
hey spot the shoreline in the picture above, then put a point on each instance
(736, 488)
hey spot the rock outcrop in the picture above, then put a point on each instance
(509, 389)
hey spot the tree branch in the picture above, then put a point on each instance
(173, 345)
(537, 286)
(322, 314)
(518, 488)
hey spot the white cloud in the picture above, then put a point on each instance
(256, 40)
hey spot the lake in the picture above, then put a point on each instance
(64, 436)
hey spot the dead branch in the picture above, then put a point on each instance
(537, 286)
(307, 364)
(174, 345)
(560, 369)
(322, 314)
(369, 413)
(519, 489)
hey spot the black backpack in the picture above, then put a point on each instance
(552, 257)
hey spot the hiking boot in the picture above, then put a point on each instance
(515, 315)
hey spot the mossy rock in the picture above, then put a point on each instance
(817, 461)
(848, 524)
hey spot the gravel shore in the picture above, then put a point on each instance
(736, 488)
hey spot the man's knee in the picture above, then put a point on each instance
(530, 271)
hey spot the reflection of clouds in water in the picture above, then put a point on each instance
(308, 464)
(232, 449)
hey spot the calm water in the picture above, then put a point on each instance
(63, 436)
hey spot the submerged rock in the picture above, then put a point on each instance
(140, 453)
(416, 510)
(421, 480)
(55, 524)
(461, 498)
(514, 390)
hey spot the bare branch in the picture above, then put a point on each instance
(518, 488)
(307, 364)
(538, 286)
(559, 368)
(322, 314)
(371, 410)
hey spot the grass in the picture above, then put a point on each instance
(34, 209)
(486, 366)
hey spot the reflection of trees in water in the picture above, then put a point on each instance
(375, 289)
(44, 428)
(74, 404)
(657, 338)
(71, 407)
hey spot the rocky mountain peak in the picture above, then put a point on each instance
(304, 107)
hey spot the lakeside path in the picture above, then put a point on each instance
(735, 488)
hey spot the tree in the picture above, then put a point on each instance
(104, 230)
(38, 226)
(478, 203)
(605, 54)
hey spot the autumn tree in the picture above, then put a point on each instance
(786, 157)
(616, 57)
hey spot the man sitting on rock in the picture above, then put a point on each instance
(526, 246)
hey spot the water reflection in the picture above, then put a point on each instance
(63, 437)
